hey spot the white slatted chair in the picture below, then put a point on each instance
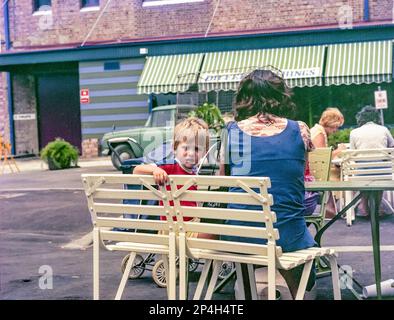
(319, 164)
(105, 194)
(216, 251)
(365, 164)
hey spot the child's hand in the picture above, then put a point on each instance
(160, 176)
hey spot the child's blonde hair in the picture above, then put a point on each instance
(190, 128)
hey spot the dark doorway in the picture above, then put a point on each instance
(59, 108)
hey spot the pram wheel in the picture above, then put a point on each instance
(193, 265)
(225, 269)
(159, 274)
(138, 267)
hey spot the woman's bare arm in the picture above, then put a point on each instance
(319, 141)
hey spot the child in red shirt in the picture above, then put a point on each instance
(191, 140)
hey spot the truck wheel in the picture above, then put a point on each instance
(124, 151)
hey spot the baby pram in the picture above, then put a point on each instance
(149, 262)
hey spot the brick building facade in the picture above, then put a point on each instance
(65, 24)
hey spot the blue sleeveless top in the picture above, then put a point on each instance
(280, 157)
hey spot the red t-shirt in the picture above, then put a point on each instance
(175, 168)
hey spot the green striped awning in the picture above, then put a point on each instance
(356, 63)
(173, 73)
(300, 66)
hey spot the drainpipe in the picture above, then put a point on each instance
(8, 76)
(366, 10)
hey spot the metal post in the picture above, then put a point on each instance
(381, 112)
(8, 77)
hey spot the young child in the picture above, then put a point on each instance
(191, 141)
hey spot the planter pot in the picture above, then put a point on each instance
(52, 165)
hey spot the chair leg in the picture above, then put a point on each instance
(125, 276)
(164, 257)
(252, 281)
(304, 280)
(202, 280)
(240, 282)
(335, 277)
(271, 273)
(182, 267)
(96, 264)
(214, 278)
(171, 275)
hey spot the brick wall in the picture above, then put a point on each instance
(90, 148)
(68, 24)
(381, 9)
(271, 14)
(125, 19)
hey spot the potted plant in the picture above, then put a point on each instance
(59, 154)
(340, 136)
(211, 114)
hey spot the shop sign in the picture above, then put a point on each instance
(381, 99)
(24, 116)
(237, 76)
(84, 96)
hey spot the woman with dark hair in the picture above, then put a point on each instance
(264, 143)
(370, 135)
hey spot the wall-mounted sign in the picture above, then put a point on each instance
(24, 116)
(237, 76)
(84, 96)
(381, 99)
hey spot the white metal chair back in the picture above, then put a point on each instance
(365, 164)
(320, 163)
(368, 164)
(105, 194)
(246, 196)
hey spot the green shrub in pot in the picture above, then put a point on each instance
(59, 154)
(340, 136)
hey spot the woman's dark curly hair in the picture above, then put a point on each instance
(262, 92)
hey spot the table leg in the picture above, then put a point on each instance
(374, 214)
(319, 234)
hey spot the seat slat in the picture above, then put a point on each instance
(230, 230)
(143, 224)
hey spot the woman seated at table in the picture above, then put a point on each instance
(330, 121)
(263, 143)
(370, 135)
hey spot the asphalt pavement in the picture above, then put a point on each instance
(42, 212)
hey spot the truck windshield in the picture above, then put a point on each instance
(164, 118)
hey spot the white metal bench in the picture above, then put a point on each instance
(105, 193)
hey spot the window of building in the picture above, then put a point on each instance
(111, 65)
(90, 3)
(152, 3)
(42, 5)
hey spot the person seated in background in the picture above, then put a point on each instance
(370, 134)
(330, 121)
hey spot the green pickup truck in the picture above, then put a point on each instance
(137, 142)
